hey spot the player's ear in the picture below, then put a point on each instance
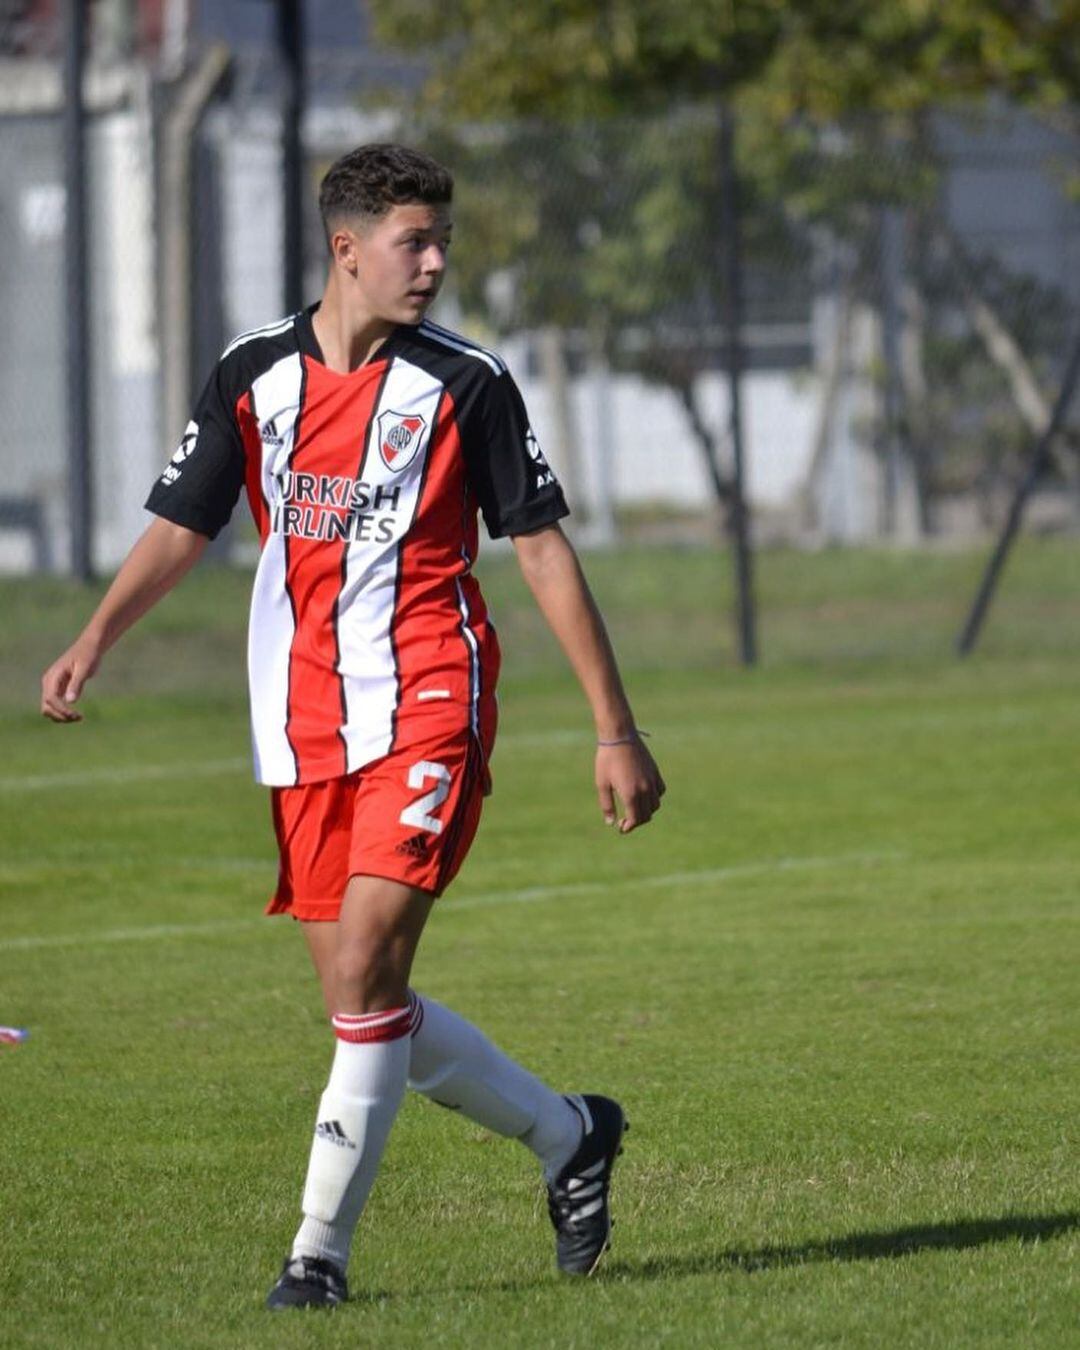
(343, 249)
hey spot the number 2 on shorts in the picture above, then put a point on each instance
(418, 813)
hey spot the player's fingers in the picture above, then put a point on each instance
(607, 802)
(54, 703)
(57, 711)
(52, 688)
(638, 811)
(649, 796)
(74, 685)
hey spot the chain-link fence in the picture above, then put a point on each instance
(910, 295)
(124, 337)
(910, 298)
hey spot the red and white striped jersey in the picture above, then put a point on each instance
(365, 490)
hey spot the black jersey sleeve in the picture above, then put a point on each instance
(202, 481)
(512, 480)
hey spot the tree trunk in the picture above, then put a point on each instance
(831, 383)
(916, 397)
(706, 443)
(1003, 350)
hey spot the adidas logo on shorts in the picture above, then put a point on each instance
(416, 846)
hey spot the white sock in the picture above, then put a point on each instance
(367, 1083)
(455, 1064)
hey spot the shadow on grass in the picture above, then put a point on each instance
(962, 1235)
(959, 1236)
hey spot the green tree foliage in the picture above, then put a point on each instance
(611, 233)
(577, 58)
(612, 230)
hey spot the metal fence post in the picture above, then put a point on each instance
(733, 320)
(76, 296)
(291, 43)
(891, 263)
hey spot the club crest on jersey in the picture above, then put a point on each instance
(399, 438)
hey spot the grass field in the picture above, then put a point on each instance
(835, 984)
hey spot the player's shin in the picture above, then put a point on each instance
(453, 1063)
(367, 1082)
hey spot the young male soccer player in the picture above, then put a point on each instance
(367, 439)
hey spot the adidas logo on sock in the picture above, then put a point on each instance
(331, 1131)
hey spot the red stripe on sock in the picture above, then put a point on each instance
(388, 1025)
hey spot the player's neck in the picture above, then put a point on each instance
(347, 338)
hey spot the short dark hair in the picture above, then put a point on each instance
(371, 179)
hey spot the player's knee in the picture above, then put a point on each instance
(369, 977)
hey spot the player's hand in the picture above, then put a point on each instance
(627, 778)
(63, 682)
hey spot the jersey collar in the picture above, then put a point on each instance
(309, 343)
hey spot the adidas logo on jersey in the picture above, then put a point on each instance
(331, 1131)
(270, 436)
(416, 846)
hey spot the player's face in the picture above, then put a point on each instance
(400, 261)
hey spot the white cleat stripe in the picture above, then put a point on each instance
(581, 1106)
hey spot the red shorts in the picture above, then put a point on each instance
(410, 816)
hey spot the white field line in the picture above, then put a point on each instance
(524, 896)
(109, 935)
(700, 876)
(16, 784)
(210, 768)
(134, 773)
(15, 872)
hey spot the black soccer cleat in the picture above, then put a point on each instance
(308, 1282)
(578, 1197)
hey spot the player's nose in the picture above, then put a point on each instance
(433, 261)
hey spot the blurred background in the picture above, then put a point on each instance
(797, 276)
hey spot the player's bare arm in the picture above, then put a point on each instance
(158, 560)
(626, 772)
